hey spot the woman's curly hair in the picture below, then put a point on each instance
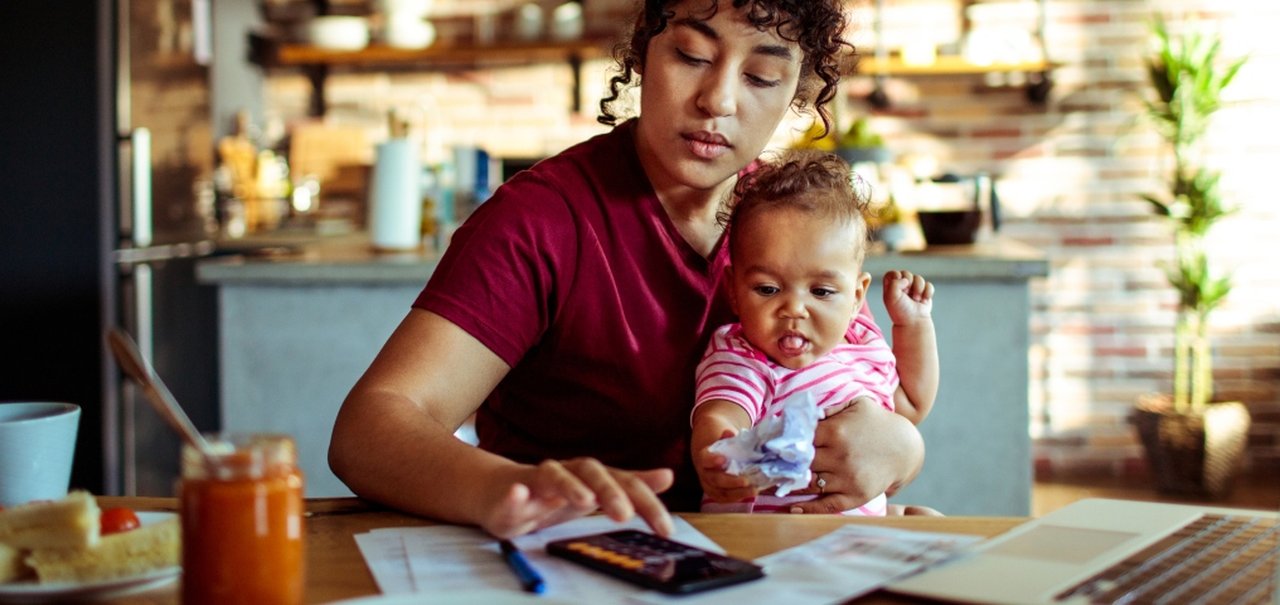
(811, 181)
(816, 25)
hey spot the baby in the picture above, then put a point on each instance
(797, 240)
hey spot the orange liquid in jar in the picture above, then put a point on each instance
(242, 525)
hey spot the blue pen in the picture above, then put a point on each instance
(529, 578)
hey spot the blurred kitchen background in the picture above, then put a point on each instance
(262, 120)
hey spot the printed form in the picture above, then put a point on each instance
(853, 560)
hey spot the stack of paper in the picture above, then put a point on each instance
(451, 558)
(850, 561)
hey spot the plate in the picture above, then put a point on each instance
(31, 592)
(470, 597)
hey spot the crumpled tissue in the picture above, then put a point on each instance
(778, 450)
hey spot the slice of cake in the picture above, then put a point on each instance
(71, 522)
(129, 553)
(11, 565)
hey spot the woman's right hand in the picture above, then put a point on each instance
(556, 491)
(424, 383)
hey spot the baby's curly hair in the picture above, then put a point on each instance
(816, 25)
(807, 180)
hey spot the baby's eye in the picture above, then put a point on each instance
(822, 292)
(766, 290)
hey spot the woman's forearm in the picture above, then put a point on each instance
(393, 439)
(413, 463)
(910, 444)
(876, 449)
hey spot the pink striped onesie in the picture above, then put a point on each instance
(734, 370)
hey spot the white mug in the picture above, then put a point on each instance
(37, 445)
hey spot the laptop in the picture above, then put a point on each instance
(1106, 551)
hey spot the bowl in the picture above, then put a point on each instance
(339, 32)
(949, 227)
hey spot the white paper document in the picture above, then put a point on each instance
(383, 552)
(846, 563)
(850, 561)
(447, 558)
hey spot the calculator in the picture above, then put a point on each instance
(655, 562)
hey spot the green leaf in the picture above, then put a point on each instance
(1214, 292)
(1159, 206)
(1159, 75)
(1189, 75)
(1229, 73)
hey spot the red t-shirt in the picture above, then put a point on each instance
(574, 275)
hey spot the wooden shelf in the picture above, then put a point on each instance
(1038, 81)
(316, 62)
(943, 66)
(1037, 86)
(269, 53)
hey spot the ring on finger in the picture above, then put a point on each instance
(822, 484)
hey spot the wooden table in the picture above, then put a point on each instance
(336, 570)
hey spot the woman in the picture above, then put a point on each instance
(570, 310)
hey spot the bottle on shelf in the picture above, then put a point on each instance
(395, 193)
(252, 181)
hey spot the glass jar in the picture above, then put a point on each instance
(242, 522)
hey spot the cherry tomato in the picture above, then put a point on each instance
(117, 520)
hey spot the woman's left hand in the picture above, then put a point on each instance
(861, 452)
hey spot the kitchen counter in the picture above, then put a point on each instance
(349, 259)
(336, 260)
(300, 322)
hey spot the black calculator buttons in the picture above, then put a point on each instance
(655, 562)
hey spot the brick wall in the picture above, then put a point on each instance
(1070, 174)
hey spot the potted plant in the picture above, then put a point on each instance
(885, 223)
(1193, 443)
(860, 144)
(815, 137)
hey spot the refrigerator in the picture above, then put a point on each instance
(106, 123)
(165, 222)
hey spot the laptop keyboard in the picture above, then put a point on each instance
(1215, 559)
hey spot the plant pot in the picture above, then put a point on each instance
(1192, 455)
(892, 234)
(858, 155)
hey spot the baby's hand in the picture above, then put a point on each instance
(717, 484)
(907, 297)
